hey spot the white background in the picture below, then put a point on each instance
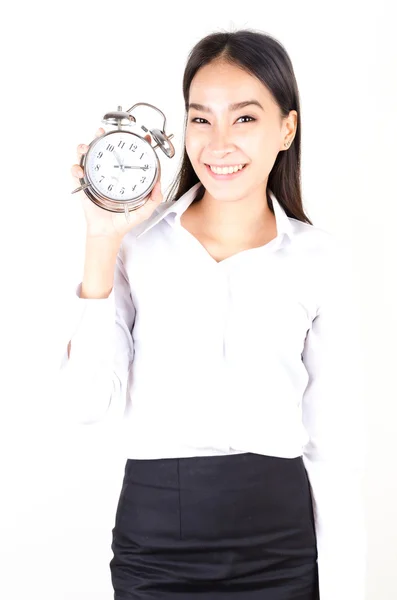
(64, 66)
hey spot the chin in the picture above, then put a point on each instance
(224, 190)
(226, 195)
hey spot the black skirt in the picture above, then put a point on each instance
(234, 526)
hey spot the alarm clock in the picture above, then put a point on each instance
(121, 167)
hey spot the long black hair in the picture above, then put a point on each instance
(264, 57)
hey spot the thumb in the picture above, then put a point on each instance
(156, 197)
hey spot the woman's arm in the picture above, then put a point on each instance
(94, 370)
(334, 416)
(99, 265)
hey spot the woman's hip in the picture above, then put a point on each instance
(218, 521)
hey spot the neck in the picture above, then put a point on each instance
(236, 221)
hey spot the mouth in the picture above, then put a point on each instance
(225, 173)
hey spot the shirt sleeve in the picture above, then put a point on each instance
(93, 381)
(335, 419)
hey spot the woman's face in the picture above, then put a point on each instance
(220, 135)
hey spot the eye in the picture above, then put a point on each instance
(197, 119)
(247, 117)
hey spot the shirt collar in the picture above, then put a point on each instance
(178, 207)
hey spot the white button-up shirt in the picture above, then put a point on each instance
(256, 353)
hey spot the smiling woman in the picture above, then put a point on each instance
(242, 116)
(238, 394)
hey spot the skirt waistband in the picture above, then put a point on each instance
(219, 471)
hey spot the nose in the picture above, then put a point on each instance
(220, 144)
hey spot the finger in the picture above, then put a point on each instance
(77, 171)
(148, 138)
(156, 196)
(83, 148)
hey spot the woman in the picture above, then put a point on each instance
(220, 325)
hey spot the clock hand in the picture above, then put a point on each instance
(119, 161)
(127, 167)
(145, 167)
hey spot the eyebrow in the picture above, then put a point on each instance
(232, 107)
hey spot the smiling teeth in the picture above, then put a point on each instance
(226, 170)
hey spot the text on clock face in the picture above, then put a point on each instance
(121, 166)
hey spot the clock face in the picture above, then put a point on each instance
(121, 166)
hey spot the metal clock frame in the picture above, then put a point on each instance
(121, 119)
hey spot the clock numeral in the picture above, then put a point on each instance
(110, 187)
(99, 155)
(143, 179)
(133, 147)
(110, 148)
(96, 168)
(145, 167)
(133, 189)
(122, 190)
(102, 178)
(141, 156)
(122, 144)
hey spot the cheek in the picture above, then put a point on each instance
(193, 145)
(264, 146)
(260, 141)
